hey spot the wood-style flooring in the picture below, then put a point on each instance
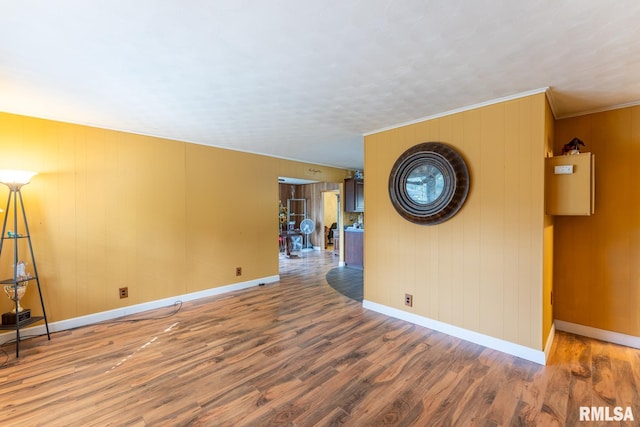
(299, 353)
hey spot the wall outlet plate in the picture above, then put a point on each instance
(408, 300)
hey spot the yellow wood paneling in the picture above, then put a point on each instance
(471, 148)
(490, 181)
(381, 241)
(548, 240)
(457, 271)
(514, 121)
(111, 209)
(596, 276)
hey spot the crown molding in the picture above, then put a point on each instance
(598, 110)
(461, 109)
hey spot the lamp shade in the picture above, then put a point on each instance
(15, 178)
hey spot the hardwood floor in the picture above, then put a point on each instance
(299, 353)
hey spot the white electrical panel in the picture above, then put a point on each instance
(563, 170)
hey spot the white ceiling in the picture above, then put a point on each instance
(305, 80)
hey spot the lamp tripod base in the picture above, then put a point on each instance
(16, 318)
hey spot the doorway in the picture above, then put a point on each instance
(331, 208)
(304, 201)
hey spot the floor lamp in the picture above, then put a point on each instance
(16, 287)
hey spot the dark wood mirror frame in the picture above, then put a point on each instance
(453, 177)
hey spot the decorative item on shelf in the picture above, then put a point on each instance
(358, 175)
(15, 293)
(21, 270)
(572, 147)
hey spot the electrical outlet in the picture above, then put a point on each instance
(124, 292)
(238, 271)
(408, 300)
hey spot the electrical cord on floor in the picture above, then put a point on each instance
(177, 304)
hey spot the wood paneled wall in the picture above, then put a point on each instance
(483, 269)
(597, 273)
(315, 205)
(548, 240)
(111, 209)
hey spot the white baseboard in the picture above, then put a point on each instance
(599, 334)
(533, 355)
(133, 309)
(547, 347)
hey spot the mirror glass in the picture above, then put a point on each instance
(425, 184)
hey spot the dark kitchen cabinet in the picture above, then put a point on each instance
(353, 195)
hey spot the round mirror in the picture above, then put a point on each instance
(429, 183)
(425, 184)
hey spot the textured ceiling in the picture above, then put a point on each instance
(305, 80)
